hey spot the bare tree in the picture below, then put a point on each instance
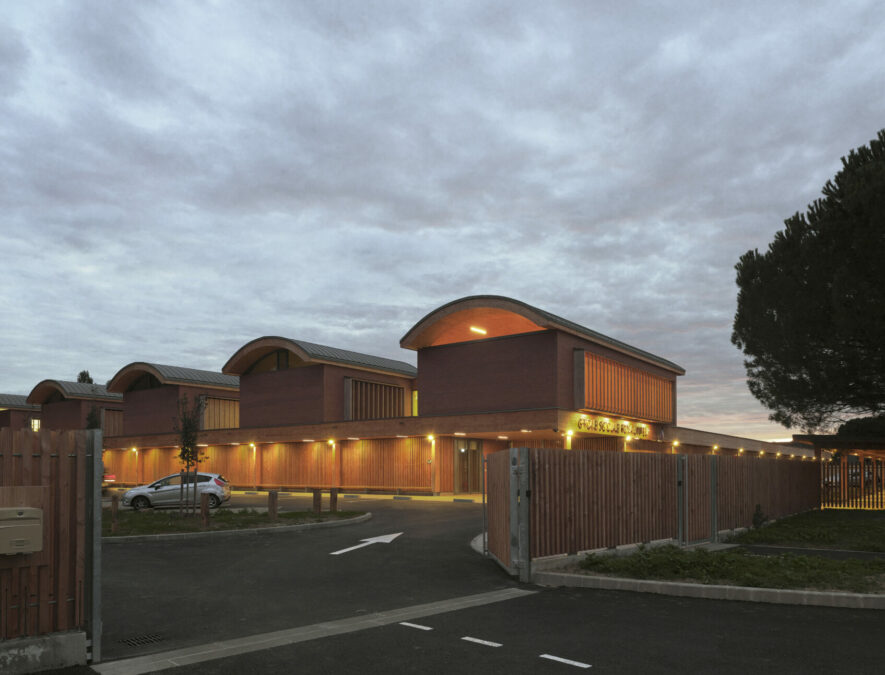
(187, 426)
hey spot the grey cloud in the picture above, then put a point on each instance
(179, 179)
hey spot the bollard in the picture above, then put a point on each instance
(204, 509)
(115, 506)
(333, 500)
(272, 502)
(317, 500)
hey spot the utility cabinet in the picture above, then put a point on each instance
(21, 530)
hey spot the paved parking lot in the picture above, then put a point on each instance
(367, 610)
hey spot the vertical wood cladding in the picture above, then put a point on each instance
(113, 423)
(386, 463)
(616, 388)
(43, 592)
(383, 464)
(373, 400)
(221, 413)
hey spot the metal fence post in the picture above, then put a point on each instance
(714, 498)
(94, 476)
(514, 508)
(680, 498)
(485, 516)
(525, 550)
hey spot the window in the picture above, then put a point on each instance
(35, 424)
(146, 381)
(276, 360)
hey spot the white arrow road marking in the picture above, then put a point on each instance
(383, 539)
(568, 661)
(482, 642)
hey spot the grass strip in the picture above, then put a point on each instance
(835, 529)
(736, 567)
(167, 521)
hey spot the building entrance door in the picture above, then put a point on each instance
(468, 465)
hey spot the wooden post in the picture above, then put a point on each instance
(272, 502)
(317, 500)
(204, 509)
(115, 506)
(333, 500)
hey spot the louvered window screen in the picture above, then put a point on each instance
(221, 413)
(372, 400)
(616, 388)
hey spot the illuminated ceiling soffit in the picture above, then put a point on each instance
(474, 323)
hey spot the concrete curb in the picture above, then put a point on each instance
(713, 592)
(178, 536)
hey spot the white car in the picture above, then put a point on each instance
(168, 491)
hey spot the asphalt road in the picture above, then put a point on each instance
(174, 594)
(191, 593)
(608, 631)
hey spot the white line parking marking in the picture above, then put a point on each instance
(567, 661)
(414, 625)
(482, 642)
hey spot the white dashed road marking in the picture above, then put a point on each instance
(414, 625)
(567, 661)
(482, 642)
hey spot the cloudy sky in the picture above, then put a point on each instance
(178, 178)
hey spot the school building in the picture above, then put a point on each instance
(492, 373)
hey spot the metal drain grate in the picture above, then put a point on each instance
(141, 640)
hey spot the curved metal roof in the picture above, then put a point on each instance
(314, 353)
(172, 375)
(72, 390)
(539, 317)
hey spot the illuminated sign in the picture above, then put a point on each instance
(605, 425)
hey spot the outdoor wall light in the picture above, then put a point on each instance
(430, 437)
(569, 433)
(331, 442)
(628, 438)
(502, 438)
(675, 444)
(460, 433)
(308, 440)
(478, 330)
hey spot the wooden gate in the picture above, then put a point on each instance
(56, 589)
(853, 482)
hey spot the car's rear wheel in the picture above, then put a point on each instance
(140, 503)
(214, 502)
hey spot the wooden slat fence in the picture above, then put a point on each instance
(47, 591)
(585, 500)
(780, 487)
(498, 473)
(697, 496)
